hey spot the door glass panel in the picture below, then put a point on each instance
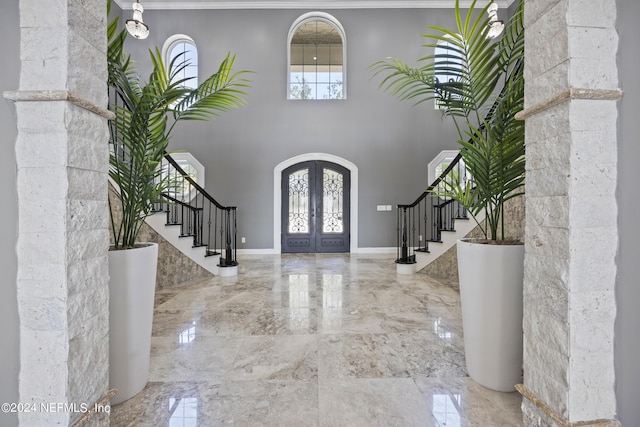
(332, 201)
(299, 201)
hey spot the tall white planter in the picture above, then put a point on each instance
(132, 290)
(491, 280)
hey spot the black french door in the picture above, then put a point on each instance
(315, 207)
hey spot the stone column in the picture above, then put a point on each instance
(571, 230)
(62, 162)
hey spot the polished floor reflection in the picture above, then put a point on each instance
(312, 340)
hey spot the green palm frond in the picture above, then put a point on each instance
(220, 92)
(491, 146)
(406, 82)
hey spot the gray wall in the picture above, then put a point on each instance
(627, 345)
(390, 141)
(9, 333)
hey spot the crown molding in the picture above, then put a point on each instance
(303, 4)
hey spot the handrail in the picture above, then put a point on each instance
(195, 185)
(435, 183)
(180, 202)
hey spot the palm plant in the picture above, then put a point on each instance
(491, 145)
(146, 114)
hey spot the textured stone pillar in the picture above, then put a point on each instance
(571, 231)
(62, 161)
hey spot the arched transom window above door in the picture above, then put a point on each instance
(316, 52)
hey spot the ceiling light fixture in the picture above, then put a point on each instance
(135, 26)
(495, 25)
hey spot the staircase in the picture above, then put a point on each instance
(432, 224)
(195, 223)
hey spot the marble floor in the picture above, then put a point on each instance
(312, 340)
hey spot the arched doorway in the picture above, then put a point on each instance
(315, 214)
(352, 222)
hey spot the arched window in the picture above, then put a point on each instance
(316, 53)
(184, 49)
(449, 63)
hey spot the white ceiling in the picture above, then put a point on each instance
(302, 4)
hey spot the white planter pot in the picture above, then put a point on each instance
(132, 286)
(491, 280)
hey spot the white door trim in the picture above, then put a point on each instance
(277, 195)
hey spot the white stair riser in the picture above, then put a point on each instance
(185, 245)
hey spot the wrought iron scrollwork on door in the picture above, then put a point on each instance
(332, 193)
(299, 201)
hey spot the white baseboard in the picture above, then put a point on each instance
(272, 251)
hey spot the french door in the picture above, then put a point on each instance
(315, 207)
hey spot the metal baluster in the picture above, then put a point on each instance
(235, 236)
(228, 253)
(215, 230)
(404, 257)
(398, 238)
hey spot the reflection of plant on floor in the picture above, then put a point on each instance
(491, 146)
(146, 114)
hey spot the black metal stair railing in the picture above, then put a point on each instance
(198, 214)
(424, 220)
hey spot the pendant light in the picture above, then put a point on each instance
(135, 26)
(495, 25)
